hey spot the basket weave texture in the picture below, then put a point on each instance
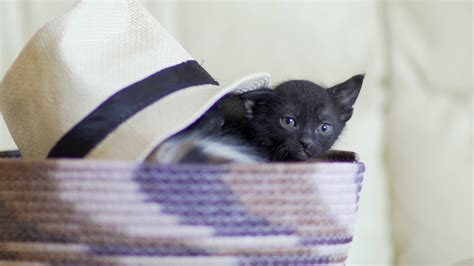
(72, 212)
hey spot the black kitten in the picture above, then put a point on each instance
(295, 121)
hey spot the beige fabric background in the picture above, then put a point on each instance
(413, 120)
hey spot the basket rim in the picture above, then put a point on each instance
(332, 155)
(334, 161)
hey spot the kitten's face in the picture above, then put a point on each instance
(299, 119)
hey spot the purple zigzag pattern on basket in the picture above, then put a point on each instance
(196, 212)
(310, 211)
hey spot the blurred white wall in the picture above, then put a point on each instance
(413, 121)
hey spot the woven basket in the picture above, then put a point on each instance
(73, 212)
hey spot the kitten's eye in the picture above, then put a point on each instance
(288, 122)
(325, 128)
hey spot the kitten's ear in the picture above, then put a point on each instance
(345, 94)
(252, 98)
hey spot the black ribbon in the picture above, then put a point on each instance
(90, 131)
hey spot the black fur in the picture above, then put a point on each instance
(255, 122)
(309, 104)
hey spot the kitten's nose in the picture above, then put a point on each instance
(306, 142)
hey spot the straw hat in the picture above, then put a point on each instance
(105, 81)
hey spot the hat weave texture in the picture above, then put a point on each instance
(105, 81)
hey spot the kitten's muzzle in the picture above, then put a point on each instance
(307, 143)
(301, 155)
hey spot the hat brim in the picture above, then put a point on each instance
(136, 137)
